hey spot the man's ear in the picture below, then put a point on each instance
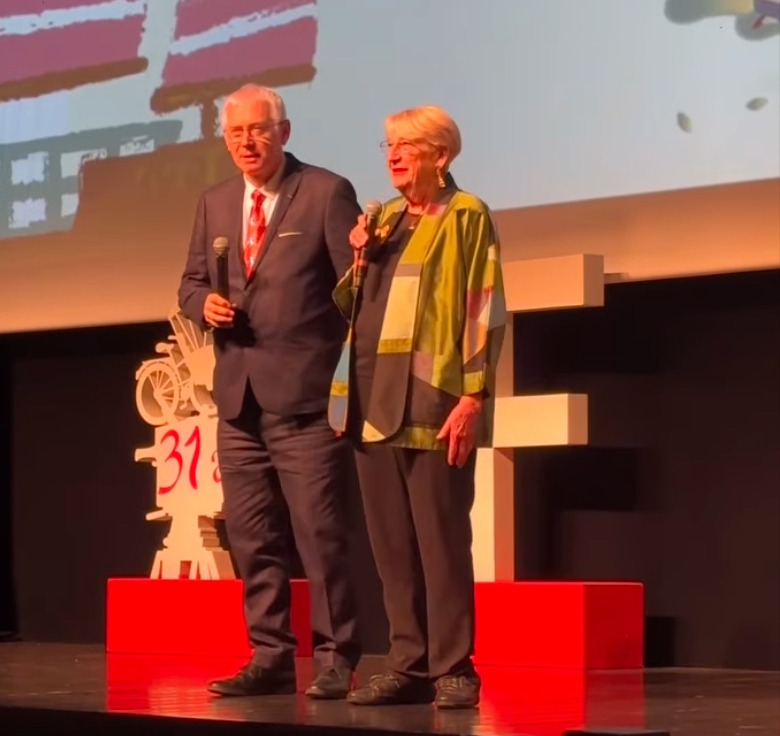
(285, 130)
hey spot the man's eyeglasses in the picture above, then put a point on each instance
(258, 132)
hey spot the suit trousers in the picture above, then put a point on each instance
(417, 511)
(281, 473)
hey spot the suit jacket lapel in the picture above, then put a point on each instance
(235, 205)
(287, 188)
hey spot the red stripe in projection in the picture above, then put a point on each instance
(73, 47)
(36, 7)
(273, 48)
(195, 16)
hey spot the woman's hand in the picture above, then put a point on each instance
(460, 429)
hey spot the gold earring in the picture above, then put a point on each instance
(440, 179)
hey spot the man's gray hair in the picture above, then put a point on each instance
(256, 92)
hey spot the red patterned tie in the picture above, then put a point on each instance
(255, 231)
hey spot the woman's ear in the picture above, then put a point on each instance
(443, 158)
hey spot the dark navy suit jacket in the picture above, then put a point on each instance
(287, 335)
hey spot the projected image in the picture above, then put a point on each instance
(755, 20)
(157, 61)
(114, 110)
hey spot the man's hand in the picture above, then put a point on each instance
(218, 312)
(461, 429)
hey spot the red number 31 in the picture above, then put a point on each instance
(176, 456)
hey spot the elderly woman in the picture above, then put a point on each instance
(413, 391)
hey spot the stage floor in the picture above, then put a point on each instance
(64, 688)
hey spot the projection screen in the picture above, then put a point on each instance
(109, 116)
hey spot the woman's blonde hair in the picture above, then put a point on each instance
(428, 123)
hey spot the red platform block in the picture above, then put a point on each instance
(580, 625)
(204, 617)
(568, 625)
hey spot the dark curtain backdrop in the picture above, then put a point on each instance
(679, 488)
(79, 497)
(680, 484)
(8, 625)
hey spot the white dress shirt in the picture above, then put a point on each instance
(270, 191)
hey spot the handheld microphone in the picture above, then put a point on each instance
(372, 211)
(220, 247)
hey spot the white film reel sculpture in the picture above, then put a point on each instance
(173, 394)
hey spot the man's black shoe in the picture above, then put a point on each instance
(254, 680)
(332, 683)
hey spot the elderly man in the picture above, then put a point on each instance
(277, 341)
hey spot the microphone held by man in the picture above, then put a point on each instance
(217, 310)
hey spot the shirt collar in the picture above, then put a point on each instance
(271, 188)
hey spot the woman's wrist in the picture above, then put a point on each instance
(472, 402)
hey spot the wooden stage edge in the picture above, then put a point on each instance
(71, 688)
